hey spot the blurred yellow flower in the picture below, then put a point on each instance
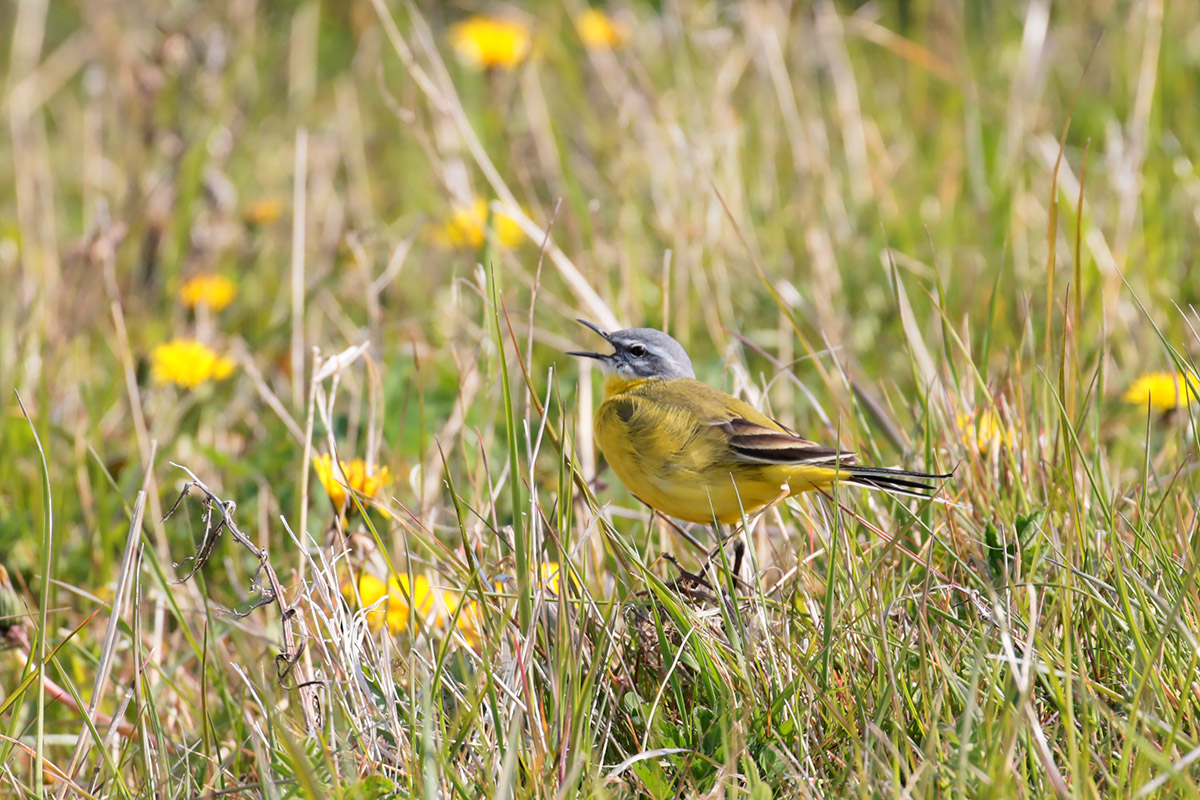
(600, 31)
(984, 430)
(1162, 391)
(549, 573)
(263, 212)
(489, 43)
(362, 480)
(214, 291)
(371, 591)
(467, 226)
(392, 602)
(470, 620)
(188, 363)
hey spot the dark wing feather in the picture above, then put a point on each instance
(757, 444)
(753, 443)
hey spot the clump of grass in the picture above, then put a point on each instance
(850, 218)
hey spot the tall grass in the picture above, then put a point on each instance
(868, 221)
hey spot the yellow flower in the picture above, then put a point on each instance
(599, 31)
(470, 620)
(984, 430)
(467, 226)
(188, 363)
(263, 212)
(1162, 391)
(371, 591)
(392, 602)
(363, 481)
(549, 571)
(488, 43)
(214, 291)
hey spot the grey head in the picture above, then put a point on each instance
(641, 353)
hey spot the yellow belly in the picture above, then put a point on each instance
(698, 497)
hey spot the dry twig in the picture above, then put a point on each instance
(293, 635)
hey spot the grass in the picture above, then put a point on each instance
(867, 220)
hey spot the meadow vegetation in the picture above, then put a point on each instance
(298, 492)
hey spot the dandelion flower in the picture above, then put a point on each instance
(984, 430)
(470, 620)
(466, 227)
(365, 482)
(403, 597)
(371, 591)
(549, 574)
(1162, 391)
(599, 31)
(214, 291)
(188, 363)
(392, 602)
(488, 43)
(263, 212)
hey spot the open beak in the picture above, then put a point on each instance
(584, 354)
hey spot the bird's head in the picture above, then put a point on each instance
(640, 353)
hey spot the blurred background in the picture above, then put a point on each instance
(952, 235)
(699, 166)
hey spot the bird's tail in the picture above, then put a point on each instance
(896, 481)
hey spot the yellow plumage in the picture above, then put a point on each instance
(663, 439)
(697, 453)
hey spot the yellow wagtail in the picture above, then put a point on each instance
(699, 454)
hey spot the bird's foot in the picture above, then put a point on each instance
(739, 551)
(693, 585)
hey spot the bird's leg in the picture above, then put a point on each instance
(742, 533)
(691, 584)
(739, 550)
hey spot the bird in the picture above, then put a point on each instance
(698, 454)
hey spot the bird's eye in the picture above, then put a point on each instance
(637, 350)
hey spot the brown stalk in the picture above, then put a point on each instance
(293, 645)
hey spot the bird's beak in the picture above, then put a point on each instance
(599, 330)
(596, 328)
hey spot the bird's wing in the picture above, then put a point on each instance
(754, 443)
